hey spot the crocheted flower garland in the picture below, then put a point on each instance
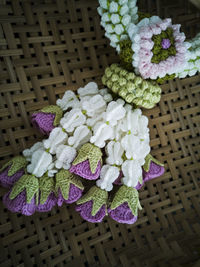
(97, 138)
(149, 46)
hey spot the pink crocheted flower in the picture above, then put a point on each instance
(83, 170)
(158, 47)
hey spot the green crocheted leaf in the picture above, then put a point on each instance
(129, 195)
(55, 110)
(63, 180)
(46, 185)
(17, 163)
(29, 183)
(98, 196)
(148, 160)
(89, 152)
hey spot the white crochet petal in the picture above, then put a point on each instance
(107, 176)
(40, 161)
(92, 121)
(132, 171)
(113, 7)
(27, 153)
(101, 133)
(81, 136)
(89, 90)
(114, 151)
(69, 100)
(94, 105)
(114, 112)
(72, 119)
(65, 155)
(56, 138)
(103, 4)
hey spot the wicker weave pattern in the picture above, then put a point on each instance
(47, 47)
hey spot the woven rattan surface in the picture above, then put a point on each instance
(47, 47)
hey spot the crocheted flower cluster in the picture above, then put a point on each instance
(133, 89)
(116, 16)
(192, 57)
(158, 47)
(93, 117)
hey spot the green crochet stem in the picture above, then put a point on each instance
(16, 164)
(148, 160)
(133, 89)
(54, 110)
(126, 54)
(129, 195)
(89, 152)
(64, 179)
(98, 196)
(29, 183)
(46, 185)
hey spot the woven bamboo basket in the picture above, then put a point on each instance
(49, 46)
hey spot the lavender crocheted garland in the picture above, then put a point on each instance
(83, 169)
(85, 210)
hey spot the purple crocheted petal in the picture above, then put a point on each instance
(165, 43)
(83, 169)
(8, 181)
(19, 204)
(86, 209)
(154, 171)
(122, 214)
(43, 121)
(118, 180)
(139, 186)
(48, 205)
(74, 194)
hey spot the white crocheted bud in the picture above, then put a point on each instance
(115, 18)
(109, 28)
(94, 106)
(124, 10)
(102, 132)
(122, 2)
(56, 138)
(29, 151)
(114, 113)
(69, 100)
(90, 89)
(107, 176)
(108, 98)
(113, 7)
(40, 161)
(103, 3)
(132, 171)
(114, 152)
(65, 155)
(81, 136)
(100, 10)
(105, 17)
(72, 119)
(126, 20)
(119, 29)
